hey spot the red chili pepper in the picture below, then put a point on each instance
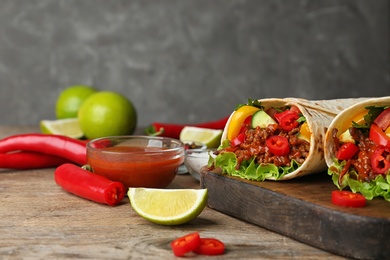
(278, 145)
(247, 124)
(380, 160)
(237, 140)
(185, 244)
(173, 130)
(378, 136)
(348, 199)
(69, 148)
(347, 151)
(287, 119)
(210, 246)
(88, 185)
(22, 160)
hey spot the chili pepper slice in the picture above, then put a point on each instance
(88, 185)
(287, 119)
(347, 151)
(348, 199)
(22, 160)
(69, 148)
(173, 130)
(380, 160)
(378, 136)
(185, 244)
(278, 145)
(210, 246)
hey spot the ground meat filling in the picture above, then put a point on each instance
(254, 146)
(361, 162)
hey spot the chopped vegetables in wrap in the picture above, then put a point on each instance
(270, 139)
(358, 149)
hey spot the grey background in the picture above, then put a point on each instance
(189, 61)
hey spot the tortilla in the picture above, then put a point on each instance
(346, 116)
(319, 114)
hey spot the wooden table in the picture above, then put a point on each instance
(39, 220)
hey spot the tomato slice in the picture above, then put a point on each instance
(380, 162)
(348, 199)
(383, 120)
(237, 140)
(347, 151)
(287, 119)
(278, 145)
(378, 136)
(210, 246)
(185, 244)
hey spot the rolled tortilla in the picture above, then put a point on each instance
(342, 122)
(319, 114)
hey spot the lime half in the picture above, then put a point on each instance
(210, 137)
(168, 206)
(68, 127)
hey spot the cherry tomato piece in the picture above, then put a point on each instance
(185, 244)
(287, 119)
(378, 136)
(348, 199)
(238, 140)
(347, 151)
(383, 120)
(278, 145)
(210, 246)
(380, 160)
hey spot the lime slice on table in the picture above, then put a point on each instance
(68, 127)
(210, 137)
(168, 206)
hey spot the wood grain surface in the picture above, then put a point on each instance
(39, 220)
(302, 209)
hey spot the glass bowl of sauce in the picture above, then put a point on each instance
(136, 161)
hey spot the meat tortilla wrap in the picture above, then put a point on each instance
(357, 148)
(306, 155)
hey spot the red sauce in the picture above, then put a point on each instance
(136, 166)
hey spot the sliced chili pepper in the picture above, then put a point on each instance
(185, 244)
(378, 136)
(348, 199)
(347, 151)
(22, 160)
(210, 246)
(380, 160)
(287, 119)
(383, 120)
(278, 145)
(69, 148)
(173, 130)
(238, 140)
(88, 185)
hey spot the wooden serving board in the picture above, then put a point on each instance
(302, 209)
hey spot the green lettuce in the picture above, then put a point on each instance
(250, 170)
(379, 187)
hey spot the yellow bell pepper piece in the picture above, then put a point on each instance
(238, 119)
(305, 131)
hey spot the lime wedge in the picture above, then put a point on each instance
(68, 127)
(210, 137)
(168, 206)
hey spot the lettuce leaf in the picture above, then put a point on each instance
(379, 187)
(250, 170)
